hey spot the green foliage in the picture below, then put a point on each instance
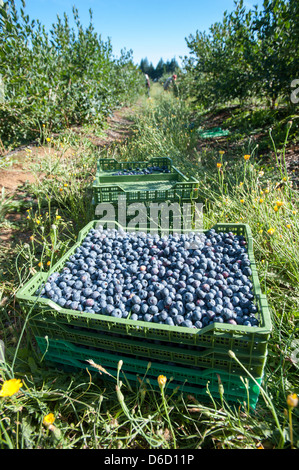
(250, 54)
(58, 78)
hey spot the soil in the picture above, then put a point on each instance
(118, 129)
(16, 179)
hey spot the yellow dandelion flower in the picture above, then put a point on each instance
(162, 381)
(289, 226)
(284, 178)
(241, 184)
(40, 264)
(60, 189)
(48, 419)
(267, 190)
(246, 157)
(261, 200)
(292, 400)
(221, 152)
(242, 201)
(279, 203)
(58, 217)
(10, 387)
(37, 221)
(219, 165)
(48, 263)
(293, 212)
(271, 231)
(276, 208)
(260, 231)
(48, 139)
(65, 185)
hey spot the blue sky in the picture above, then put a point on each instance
(154, 29)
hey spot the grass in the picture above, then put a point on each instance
(96, 410)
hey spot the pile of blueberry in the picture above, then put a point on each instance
(143, 171)
(185, 280)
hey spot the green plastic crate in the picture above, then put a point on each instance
(157, 187)
(213, 133)
(150, 215)
(207, 347)
(189, 380)
(208, 357)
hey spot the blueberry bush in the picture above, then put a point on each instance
(250, 55)
(54, 80)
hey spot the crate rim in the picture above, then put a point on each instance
(118, 185)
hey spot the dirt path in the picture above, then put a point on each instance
(17, 177)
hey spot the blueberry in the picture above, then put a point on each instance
(153, 309)
(108, 309)
(61, 301)
(136, 299)
(210, 314)
(163, 315)
(168, 302)
(116, 313)
(87, 292)
(152, 300)
(148, 317)
(190, 306)
(188, 297)
(218, 309)
(187, 323)
(178, 319)
(196, 314)
(144, 308)
(136, 308)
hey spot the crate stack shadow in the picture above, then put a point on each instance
(192, 359)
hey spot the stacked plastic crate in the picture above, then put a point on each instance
(136, 186)
(193, 358)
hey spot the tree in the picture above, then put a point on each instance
(162, 68)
